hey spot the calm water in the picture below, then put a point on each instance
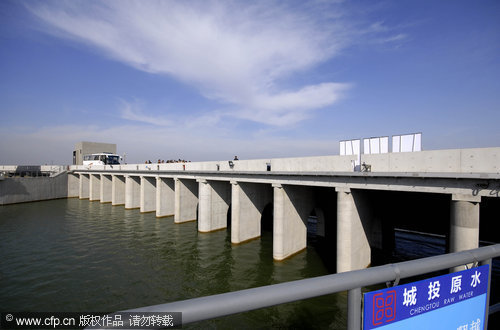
(80, 256)
(76, 255)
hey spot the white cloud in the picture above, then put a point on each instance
(132, 111)
(384, 34)
(233, 52)
(287, 108)
(397, 37)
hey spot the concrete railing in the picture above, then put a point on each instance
(209, 307)
(50, 170)
(479, 160)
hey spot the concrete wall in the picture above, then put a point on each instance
(314, 164)
(307, 164)
(20, 190)
(478, 160)
(43, 168)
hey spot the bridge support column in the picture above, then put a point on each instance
(118, 190)
(353, 248)
(165, 197)
(132, 192)
(214, 200)
(95, 187)
(73, 185)
(186, 200)
(464, 223)
(148, 194)
(106, 188)
(84, 186)
(292, 207)
(247, 203)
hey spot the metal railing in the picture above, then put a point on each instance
(204, 308)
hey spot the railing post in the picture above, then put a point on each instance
(354, 309)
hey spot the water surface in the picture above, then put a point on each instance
(79, 256)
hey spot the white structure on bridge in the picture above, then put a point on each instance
(209, 191)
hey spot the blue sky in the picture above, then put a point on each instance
(207, 80)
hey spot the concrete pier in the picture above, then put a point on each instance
(73, 185)
(247, 204)
(353, 247)
(165, 197)
(132, 192)
(118, 190)
(464, 223)
(84, 186)
(148, 194)
(214, 200)
(106, 188)
(186, 200)
(292, 207)
(95, 187)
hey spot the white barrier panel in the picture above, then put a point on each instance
(407, 142)
(376, 145)
(350, 147)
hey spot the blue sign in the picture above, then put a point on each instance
(454, 301)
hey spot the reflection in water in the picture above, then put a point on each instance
(245, 265)
(76, 255)
(81, 256)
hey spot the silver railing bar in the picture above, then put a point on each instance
(204, 308)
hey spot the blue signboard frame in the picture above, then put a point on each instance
(453, 301)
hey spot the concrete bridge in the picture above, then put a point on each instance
(442, 188)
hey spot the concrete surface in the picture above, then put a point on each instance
(21, 190)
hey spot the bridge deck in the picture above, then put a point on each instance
(474, 184)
